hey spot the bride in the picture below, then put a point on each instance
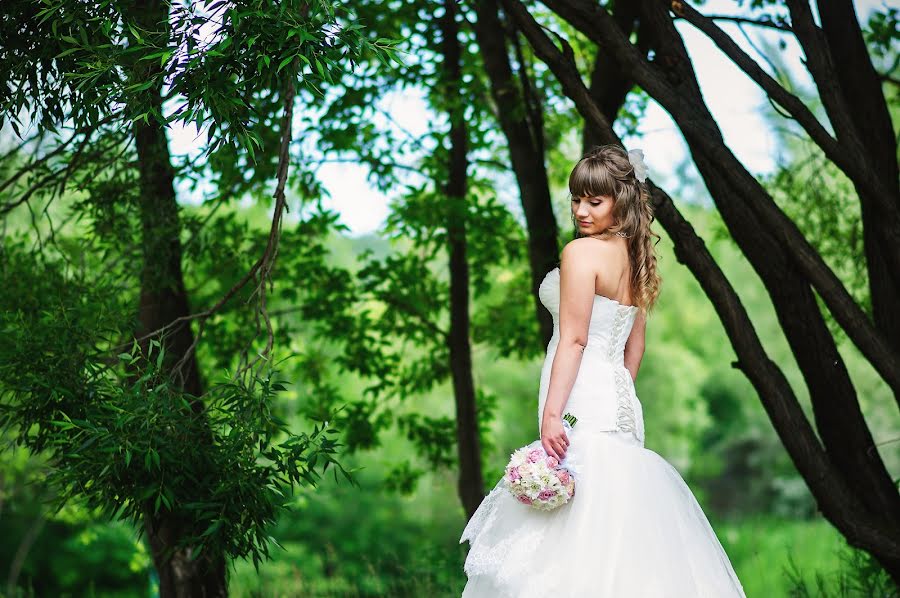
(633, 528)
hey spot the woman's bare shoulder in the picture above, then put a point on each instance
(598, 255)
(589, 246)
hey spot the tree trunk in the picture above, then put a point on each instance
(471, 479)
(839, 420)
(163, 298)
(855, 511)
(525, 139)
(852, 96)
(610, 83)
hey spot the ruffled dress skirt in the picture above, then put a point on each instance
(633, 530)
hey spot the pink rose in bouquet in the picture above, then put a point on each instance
(535, 455)
(546, 494)
(512, 474)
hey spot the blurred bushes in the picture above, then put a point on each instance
(397, 535)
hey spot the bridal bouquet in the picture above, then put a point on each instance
(538, 479)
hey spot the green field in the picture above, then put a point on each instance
(760, 550)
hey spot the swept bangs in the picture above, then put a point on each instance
(591, 178)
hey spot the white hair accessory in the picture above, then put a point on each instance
(636, 157)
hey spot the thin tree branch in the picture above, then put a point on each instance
(532, 101)
(19, 147)
(768, 24)
(422, 318)
(775, 72)
(87, 131)
(28, 540)
(396, 165)
(888, 79)
(263, 266)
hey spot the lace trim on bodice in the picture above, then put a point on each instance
(626, 418)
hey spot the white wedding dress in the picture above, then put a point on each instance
(633, 528)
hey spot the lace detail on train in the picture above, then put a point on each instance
(481, 561)
(482, 520)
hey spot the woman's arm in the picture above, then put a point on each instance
(576, 296)
(634, 346)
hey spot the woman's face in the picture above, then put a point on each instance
(593, 214)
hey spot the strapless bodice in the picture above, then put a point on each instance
(609, 326)
(603, 397)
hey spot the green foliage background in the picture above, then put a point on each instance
(344, 353)
(397, 533)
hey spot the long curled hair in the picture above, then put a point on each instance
(606, 170)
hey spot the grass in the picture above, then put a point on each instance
(765, 551)
(773, 558)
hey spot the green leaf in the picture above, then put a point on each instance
(283, 63)
(212, 528)
(135, 33)
(67, 52)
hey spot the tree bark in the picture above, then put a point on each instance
(163, 298)
(524, 137)
(471, 478)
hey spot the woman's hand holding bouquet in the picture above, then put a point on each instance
(538, 477)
